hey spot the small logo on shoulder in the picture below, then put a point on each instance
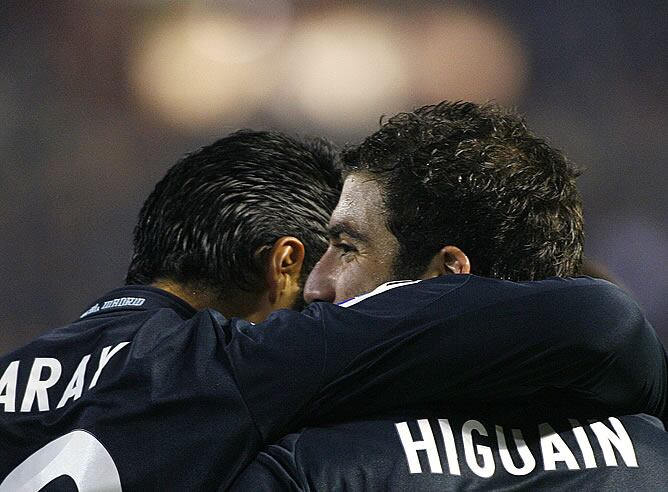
(113, 303)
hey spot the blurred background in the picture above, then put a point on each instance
(99, 98)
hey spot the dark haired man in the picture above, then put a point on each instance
(217, 218)
(452, 188)
(463, 188)
(146, 392)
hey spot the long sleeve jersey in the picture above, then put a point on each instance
(142, 392)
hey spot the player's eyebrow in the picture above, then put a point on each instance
(335, 232)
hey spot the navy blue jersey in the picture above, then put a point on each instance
(143, 392)
(453, 453)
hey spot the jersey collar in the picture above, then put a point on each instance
(137, 298)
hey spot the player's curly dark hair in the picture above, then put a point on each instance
(215, 209)
(475, 177)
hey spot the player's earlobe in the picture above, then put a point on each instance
(284, 267)
(456, 260)
(449, 260)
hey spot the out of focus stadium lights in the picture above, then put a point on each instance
(207, 66)
(113, 91)
(344, 68)
(338, 69)
(465, 54)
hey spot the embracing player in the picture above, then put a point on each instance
(462, 188)
(152, 387)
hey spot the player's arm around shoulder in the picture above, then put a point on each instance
(628, 359)
(591, 337)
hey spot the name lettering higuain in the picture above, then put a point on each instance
(482, 452)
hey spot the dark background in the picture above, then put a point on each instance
(99, 98)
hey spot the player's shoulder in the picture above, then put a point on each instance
(139, 316)
(130, 336)
(460, 293)
(649, 431)
(492, 288)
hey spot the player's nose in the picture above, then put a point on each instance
(319, 285)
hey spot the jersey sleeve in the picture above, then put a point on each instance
(581, 343)
(565, 346)
(275, 468)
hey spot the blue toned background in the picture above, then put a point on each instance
(99, 98)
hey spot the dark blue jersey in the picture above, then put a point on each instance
(452, 453)
(143, 392)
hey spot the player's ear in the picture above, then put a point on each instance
(449, 260)
(284, 267)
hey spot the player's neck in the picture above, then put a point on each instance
(245, 305)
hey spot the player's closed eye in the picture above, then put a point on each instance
(344, 248)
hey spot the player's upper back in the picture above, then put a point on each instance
(455, 453)
(131, 389)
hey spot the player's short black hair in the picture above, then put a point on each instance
(474, 176)
(215, 209)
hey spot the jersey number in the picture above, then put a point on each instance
(78, 455)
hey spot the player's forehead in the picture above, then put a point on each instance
(359, 212)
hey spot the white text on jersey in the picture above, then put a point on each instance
(38, 383)
(480, 458)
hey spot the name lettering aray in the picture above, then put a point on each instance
(45, 373)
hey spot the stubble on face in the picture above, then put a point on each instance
(362, 251)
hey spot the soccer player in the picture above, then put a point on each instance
(459, 188)
(152, 387)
